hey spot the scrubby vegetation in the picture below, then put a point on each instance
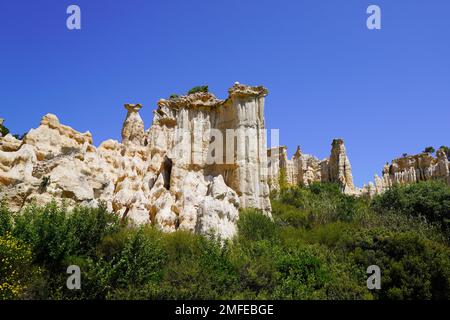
(3, 130)
(198, 89)
(318, 246)
(429, 150)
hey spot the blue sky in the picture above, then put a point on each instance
(384, 92)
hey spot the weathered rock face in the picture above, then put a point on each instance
(305, 169)
(339, 169)
(201, 160)
(411, 169)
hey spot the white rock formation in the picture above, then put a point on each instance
(305, 169)
(201, 160)
(411, 169)
(133, 131)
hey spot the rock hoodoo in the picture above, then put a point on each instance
(133, 131)
(200, 161)
(305, 169)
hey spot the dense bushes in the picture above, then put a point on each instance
(54, 234)
(430, 200)
(254, 226)
(15, 267)
(6, 223)
(413, 267)
(318, 204)
(317, 246)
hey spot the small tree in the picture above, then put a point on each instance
(430, 150)
(404, 155)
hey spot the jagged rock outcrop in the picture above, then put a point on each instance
(200, 161)
(305, 169)
(411, 169)
(338, 168)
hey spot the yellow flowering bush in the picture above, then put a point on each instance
(16, 269)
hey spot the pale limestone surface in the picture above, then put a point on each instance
(305, 169)
(168, 176)
(411, 169)
(180, 174)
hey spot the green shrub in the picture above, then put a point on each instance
(196, 268)
(430, 199)
(256, 267)
(198, 89)
(192, 267)
(287, 215)
(16, 269)
(45, 229)
(139, 261)
(88, 226)
(6, 219)
(253, 225)
(303, 274)
(412, 267)
(55, 233)
(324, 203)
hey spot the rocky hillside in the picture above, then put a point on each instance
(201, 160)
(167, 176)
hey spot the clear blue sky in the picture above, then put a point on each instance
(385, 92)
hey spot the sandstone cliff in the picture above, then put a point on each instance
(199, 162)
(175, 175)
(411, 169)
(305, 169)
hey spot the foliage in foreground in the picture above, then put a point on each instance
(317, 246)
